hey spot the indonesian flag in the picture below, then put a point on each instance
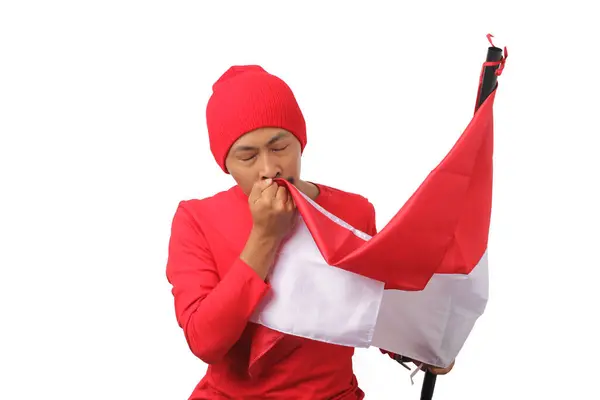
(417, 287)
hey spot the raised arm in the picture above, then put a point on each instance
(213, 312)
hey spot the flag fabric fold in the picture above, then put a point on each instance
(418, 286)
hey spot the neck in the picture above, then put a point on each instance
(309, 189)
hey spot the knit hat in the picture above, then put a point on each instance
(245, 98)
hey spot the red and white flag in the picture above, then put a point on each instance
(418, 286)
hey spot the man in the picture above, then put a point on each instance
(222, 249)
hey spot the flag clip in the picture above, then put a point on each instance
(502, 60)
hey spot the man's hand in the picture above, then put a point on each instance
(422, 366)
(272, 209)
(273, 213)
(436, 370)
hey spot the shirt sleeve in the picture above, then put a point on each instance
(213, 311)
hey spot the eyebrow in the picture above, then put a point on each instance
(274, 139)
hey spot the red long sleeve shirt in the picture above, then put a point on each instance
(215, 294)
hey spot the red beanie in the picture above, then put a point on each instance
(245, 98)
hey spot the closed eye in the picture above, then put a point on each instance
(281, 148)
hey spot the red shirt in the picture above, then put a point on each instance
(215, 294)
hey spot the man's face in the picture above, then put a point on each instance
(264, 153)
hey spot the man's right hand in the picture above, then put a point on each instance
(273, 213)
(272, 208)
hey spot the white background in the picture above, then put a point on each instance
(103, 132)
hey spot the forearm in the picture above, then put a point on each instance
(259, 252)
(221, 317)
(212, 309)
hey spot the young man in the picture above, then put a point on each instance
(222, 248)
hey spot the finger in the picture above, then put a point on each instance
(269, 192)
(439, 371)
(290, 204)
(282, 196)
(258, 188)
(446, 370)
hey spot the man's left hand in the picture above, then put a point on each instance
(438, 371)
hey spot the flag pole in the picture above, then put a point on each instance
(488, 83)
(490, 79)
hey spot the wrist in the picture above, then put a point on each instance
(262, 238)
(259, 252)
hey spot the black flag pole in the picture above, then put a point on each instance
(487, 85)
(490, 79)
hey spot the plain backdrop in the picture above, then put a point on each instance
(103, 132)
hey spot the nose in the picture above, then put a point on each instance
(269, 169)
